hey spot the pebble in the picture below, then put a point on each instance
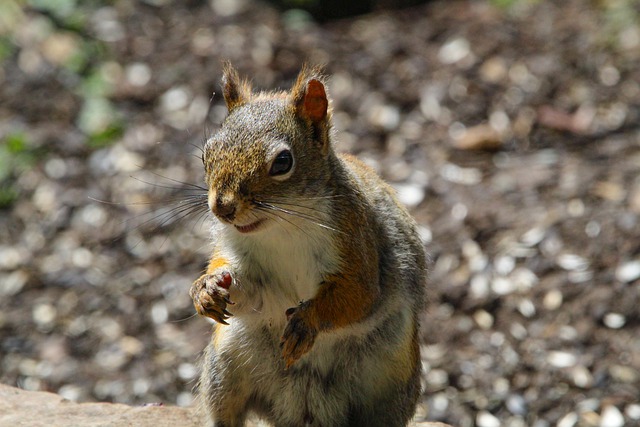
(569, 420)
(479, 286)
(524, 279)
(493, 70)
(44, 315)
(526, 308)
(533, 236)
(614, 320)
(138, 74)
(516, 404)
(159, 313)
(184, 399)
(502, 286)
(504, 265)
(454, 50)
(12, 283)
(187, 371)
(411, 195)
(11, 257)
(386, 117)
(71, 392)
(484, 319)
(572, 262)
(487, 419)
(480, 137)
(611, 417)
(581, 377)
(629, 271)
(633, 411)
(624, 374)
(437, 377)
(561, 359)
(459, 175)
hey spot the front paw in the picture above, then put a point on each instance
(210, 295)
(298, 336)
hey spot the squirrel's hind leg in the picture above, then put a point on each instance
(224, 392)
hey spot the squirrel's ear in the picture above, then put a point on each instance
(311, 102)
(236, 92)
(309, 96)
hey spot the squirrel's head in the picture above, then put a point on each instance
(269, 158)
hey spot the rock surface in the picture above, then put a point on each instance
(39, 409)
(34, 409)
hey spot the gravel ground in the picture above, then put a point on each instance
(511, 133)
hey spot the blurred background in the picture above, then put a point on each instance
(509, 127)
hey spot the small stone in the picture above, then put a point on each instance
(480, 137)
(437, 377)
(187, 371)
(504, 265)
(523, 278)
(184, 399)
(614, 320)
(633, 411)
(487, 419)
(572, 262)
(611, 417)
(611, 191)
(138, 74)
(386, 117)
(624, 374)
(581, 377)
(454, 50)
(628, 272)
(526, 308)
(44, 314)
(131, 345)
(479, 286)
(533, 236)
(503, 286)
(458, 175)
(561, 359)
(568, 420)
(484, 319)
(159, 313)
(410, 195)
(12, 283)
(589, 419)
(516, 404)
(493, 70)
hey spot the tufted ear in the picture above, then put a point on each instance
(311, 102)
(236, 91)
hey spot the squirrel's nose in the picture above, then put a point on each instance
(224, 207)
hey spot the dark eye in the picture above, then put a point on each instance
(282, 163)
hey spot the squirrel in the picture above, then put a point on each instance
(318, 275)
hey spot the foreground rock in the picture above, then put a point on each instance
(39, 409)
(35, 409)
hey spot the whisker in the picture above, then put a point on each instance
(176, 211)
(187, 184)
(280, 219)
(297, 214)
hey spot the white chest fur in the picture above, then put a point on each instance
(277, 268)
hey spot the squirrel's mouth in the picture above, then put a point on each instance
(250, 227)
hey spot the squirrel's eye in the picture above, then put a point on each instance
(282, 163)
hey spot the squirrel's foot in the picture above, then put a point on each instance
(210, 295)
(298, 336)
